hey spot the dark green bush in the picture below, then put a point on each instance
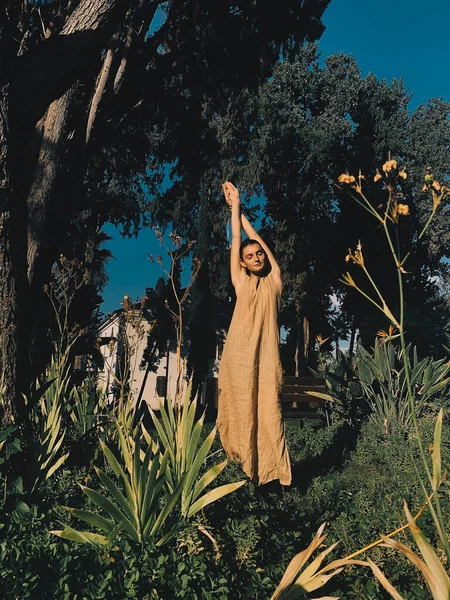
(356, 481)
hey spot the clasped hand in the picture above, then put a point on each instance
(231, 194)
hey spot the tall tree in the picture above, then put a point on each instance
(314, 124)
(76, 79)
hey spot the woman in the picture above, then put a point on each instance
(249, 417)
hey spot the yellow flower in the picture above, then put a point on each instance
(320, 339)
(386, 334)
(403, 174)
(436, 200)
(356, 257)
(346, 178)
(378, 176)
(348, 280)
(403, 209)
(389, 165)
(436, 185)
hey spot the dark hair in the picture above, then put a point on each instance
(245, 243)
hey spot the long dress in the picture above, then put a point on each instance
(250, 377)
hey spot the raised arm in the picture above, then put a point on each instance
(233, 201)
(254, 235)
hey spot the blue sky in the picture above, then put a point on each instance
(390, 38)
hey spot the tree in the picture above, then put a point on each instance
(311, 125)
(78, 78)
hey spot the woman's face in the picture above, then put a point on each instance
(254, 258)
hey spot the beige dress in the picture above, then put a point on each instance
(250, 377)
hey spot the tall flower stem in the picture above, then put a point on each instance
(392, 177)
(439, 517)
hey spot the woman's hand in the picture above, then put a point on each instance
(231, 194)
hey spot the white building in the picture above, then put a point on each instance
(123, 339)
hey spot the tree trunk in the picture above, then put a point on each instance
(29, 83)
(13, 283)
(352, 339)
(298, 347)
(306, 336)
(45, 181)
(48, 194)
(302, 346)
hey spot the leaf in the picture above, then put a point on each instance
(35, 397)
(195, 438)
(208, 477)
(91, 518)
(383, 580)
(321, 395)
(116, 493)
(20, 511)
(364, 372)
(17, 485)
(194, 468)
(118, 471)
(150, 490)
(170, 503)
(436, 387)
(162, 432)
(437, 452)
(84, 537)
(319, 580)
(313, 567)
(439, 576)
(57, 464)
(112, 510)
(214, 495)
(297, 563)
(411, 556)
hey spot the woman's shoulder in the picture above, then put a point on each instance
(275, 283)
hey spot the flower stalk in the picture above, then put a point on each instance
(391, 177)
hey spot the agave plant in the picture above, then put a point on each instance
(297, 581)
(180, 436)
(139, 506)
(431, 567)
(383, 379)
(300, 578)
(47, 417)
(88, 400)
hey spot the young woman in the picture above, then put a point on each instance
(249, 417)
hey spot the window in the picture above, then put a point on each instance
(161, 386)
(212, 391)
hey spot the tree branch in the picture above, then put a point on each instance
(101, 85)
(49, 70)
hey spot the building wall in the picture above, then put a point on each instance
(137, 340)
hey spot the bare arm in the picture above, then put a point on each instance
(233, 200)
(252, 233)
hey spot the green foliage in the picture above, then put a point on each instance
(257, 530)
(344, 387)
(47, 420)
(374, 384)
(89, 406)
(141, 507)
(384, 385)
(365, 498)
(180, 437)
